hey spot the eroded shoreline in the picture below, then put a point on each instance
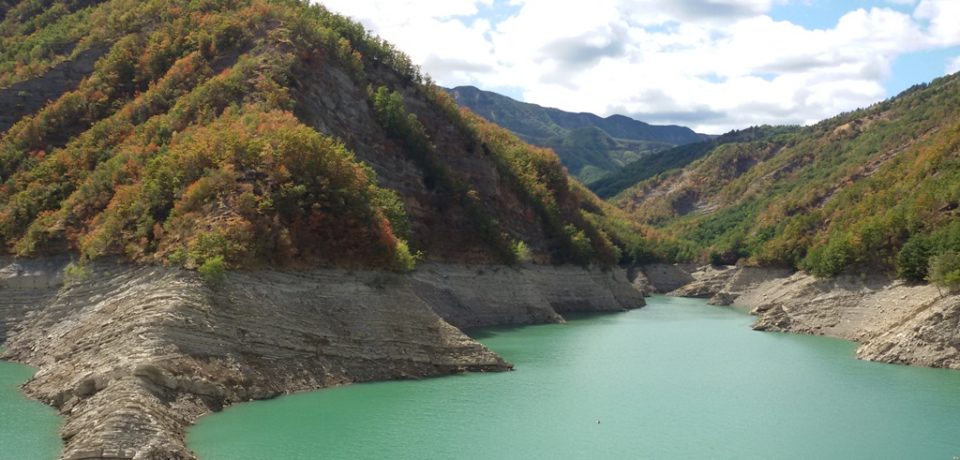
(132, 355)
(892, 321)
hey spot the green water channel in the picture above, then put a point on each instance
(675, 380)
(28, 429)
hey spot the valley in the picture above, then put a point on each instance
(205, 204)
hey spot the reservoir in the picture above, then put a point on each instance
(674, 380)
(28, 429)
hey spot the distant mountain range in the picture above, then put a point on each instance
(591, 147)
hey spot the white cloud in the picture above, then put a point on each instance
(709, 64)
(431, 31)
(944, 19)
(953, 66)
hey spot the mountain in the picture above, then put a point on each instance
(209, 202)
(148, 146)
(589, 146)
(674, 158)
(874, 190)
(848, 228)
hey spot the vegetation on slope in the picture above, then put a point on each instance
(182, 147)
(874, 189)
(589, 146)
(675, 158)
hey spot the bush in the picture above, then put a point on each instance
(829, 260)
(716, 259)
(944, 270)
(404, 259)
(913, 260)
(521, 252)
(75, 273)
(213, 269)
(579, 249)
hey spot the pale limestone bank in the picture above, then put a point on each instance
(131, 355)
(893, 322)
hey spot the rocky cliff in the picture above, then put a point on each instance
(893, 321)
(131, 355)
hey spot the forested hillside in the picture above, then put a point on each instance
(674, 158)
(589, 146)
(229, 133)
(875, 189)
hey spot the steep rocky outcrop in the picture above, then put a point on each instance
(662, 278)
(469, 297)
(27, 97)
(894, 322)
(26, 284)
(131, 355)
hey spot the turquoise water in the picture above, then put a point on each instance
(675, 380)
(28, 429)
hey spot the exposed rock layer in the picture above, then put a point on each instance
(27, 97)
(894, 322)
(132, 355)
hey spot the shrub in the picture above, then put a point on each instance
(521, 252)
(944, 270)
(75, 273)
(580, 249)
(830, 259)
(213, 269)
(404, 259)
(913, 260)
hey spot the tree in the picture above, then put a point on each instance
(913, 260)
(945, 270)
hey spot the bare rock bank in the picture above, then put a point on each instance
(131, 355)
(894, 322)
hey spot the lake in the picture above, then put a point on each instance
(677, 379)
(28, 429)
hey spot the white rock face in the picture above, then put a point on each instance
(894, 322)
(132, 355)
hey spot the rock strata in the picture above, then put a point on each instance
(27, 97)
(894, 322)
(663, 278)
(131, 355)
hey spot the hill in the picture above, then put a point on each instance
(871, 190)
(239, 133)
(589, 146)
(673, 158)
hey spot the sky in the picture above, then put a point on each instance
(713, 65)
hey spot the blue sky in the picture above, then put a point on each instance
(713, 65)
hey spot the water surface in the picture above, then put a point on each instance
(677, 379)
(28, 429)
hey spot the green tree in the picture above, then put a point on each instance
(830, 259)
(945, 270)
(913, 260)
